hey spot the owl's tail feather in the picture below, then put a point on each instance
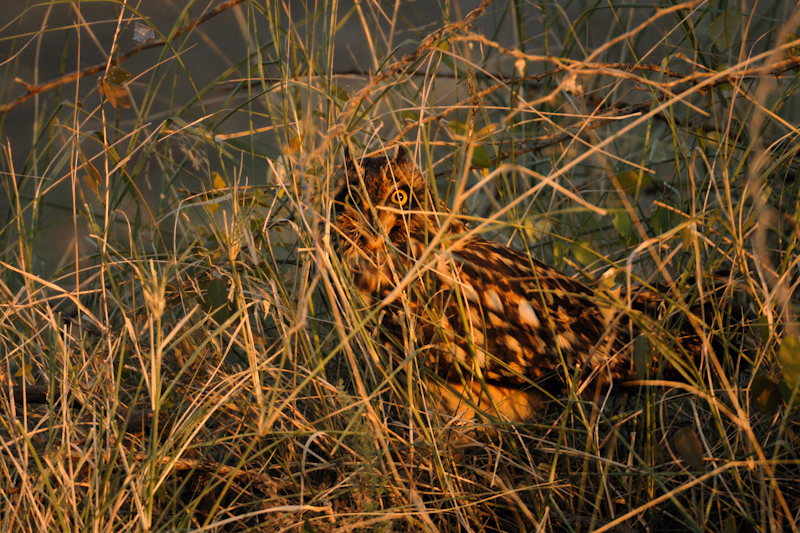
(685, 330)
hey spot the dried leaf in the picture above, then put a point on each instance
(295, 144)
(116, 94)
(93, 179)
(765, 395)
(570, 84)
(219, 183)
(142, 33)
(689, 448)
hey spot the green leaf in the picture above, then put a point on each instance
(215, 300)
(689, 448)
(789, 359)
(558, 252)
(537, 230)
(660, 220)
(792, 51)
(763, 328)
(458, 127)
(339, 93)
(688, 236)
(727, 86)
(765, 395)
(657, 152)
(161, 494)
(642, 357)
(624, 226)
(725, 28)
(729, 526)
(480, 157)
(26, 372)
(117, 75)
(788, 395)
(584, 252)
(632, 181)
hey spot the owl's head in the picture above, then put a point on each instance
(379, 201)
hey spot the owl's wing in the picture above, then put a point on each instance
(512, 320)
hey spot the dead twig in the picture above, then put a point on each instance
(33, 90)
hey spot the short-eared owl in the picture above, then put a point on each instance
(494, 326)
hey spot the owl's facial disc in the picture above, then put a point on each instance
(366, 225)
(383, 208)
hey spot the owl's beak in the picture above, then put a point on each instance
(373, 231)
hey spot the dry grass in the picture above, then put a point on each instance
(181, 349)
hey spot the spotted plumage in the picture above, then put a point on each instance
(495, 327)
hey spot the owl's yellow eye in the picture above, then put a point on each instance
(346, 199)
(352, 200)
(400, 197)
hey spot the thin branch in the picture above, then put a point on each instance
(425, 46)
(33, 90)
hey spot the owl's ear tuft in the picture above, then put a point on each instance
(348, 159)
(401, 157)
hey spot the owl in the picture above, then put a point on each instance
(496, 330)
